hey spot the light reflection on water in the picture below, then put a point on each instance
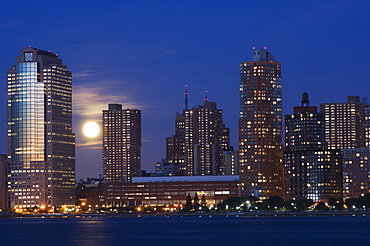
(189, 231)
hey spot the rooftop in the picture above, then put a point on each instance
(186, 178)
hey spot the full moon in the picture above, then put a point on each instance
(91, 129)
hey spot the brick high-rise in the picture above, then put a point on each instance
(199, 141)
(121, 143)
(260, 126)
(347, 130)
(311, 171)
(345, 124)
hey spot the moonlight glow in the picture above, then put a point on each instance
(91, 129)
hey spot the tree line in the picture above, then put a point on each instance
(251, 204)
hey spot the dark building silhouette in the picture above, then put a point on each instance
(175, 146)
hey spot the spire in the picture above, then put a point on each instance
(186, 97)
(206, 99)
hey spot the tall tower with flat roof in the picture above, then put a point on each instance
(121, 143)
(260, 126)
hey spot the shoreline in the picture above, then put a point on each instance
(208, 214)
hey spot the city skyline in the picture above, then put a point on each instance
(142, 54)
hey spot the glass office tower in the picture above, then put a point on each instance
(41, 145)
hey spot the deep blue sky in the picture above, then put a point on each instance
(142, 53)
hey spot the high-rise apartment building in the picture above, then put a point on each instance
(356, 172)
(345, 124)
(121, 143)
(206, 137)
(311, 171)
(199, 141)
(41, 145)
(347, 130)
(260, 126)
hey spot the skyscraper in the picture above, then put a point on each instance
(121, 143)
(206, 137)
(345, 124)
(260, 126)
(347, 130)
(311, 171)
(41, 145)
(199, 141)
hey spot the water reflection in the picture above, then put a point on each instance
(340, 230)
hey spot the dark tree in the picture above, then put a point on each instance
(289, 205)
(196, 202)
(321, 206)
(203, 202)
(303, 204)
(232, 202)
(367, 200)
(275, 201)
(263, 205)
(251, 199)
(188, 204)
(335, 203)
(356, 202)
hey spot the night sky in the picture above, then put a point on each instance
(142, 53)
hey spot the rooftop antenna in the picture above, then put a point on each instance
(186, 97)
(206, 99)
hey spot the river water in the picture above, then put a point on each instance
(189, 231)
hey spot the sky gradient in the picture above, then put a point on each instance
(142, 53)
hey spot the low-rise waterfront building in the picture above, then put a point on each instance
(171, 190)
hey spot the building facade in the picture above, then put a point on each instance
(311, 171)
(3, 181)
(356, 172)
(346, 124)
(121, 143)
(347, 129)
(165, 168)
(260, 126)
(205, 139)
(162, 191)
(41, 145)
(175, 146)
(231, 162)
